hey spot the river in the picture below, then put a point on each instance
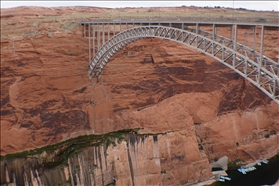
(266, 174)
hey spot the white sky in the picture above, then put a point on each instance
(252, 5)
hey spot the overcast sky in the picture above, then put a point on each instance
(252, 5)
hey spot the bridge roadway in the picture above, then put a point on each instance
(161, 22)
(107, 37)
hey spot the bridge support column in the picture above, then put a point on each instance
(197, 32)
(261, 55)
(93, 38)
(98, 37)
(274, 89)
(89, 42)
(235, 43)
(254, 44)
(213, 37)
(223, 50)
(103, 30)
(197, 28)
(182, 27)
(214, 32)
(84, 30)
(231, 37)
(108, 32)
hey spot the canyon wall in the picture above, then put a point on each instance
(189, 109)
(141, 160)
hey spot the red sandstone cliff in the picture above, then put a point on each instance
(206, 109)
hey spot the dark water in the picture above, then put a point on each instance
(266, 174)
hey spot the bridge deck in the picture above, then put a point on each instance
(158, 22)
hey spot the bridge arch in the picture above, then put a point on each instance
(257, 69)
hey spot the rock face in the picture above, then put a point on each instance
(141, 160)
(197, 109)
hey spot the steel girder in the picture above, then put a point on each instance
(244, 60)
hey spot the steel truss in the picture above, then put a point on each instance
(256, 68)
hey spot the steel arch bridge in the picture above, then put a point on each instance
(250, 64)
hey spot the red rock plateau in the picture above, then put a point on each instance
(206, 110)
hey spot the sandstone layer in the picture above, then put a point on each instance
(141, 160)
